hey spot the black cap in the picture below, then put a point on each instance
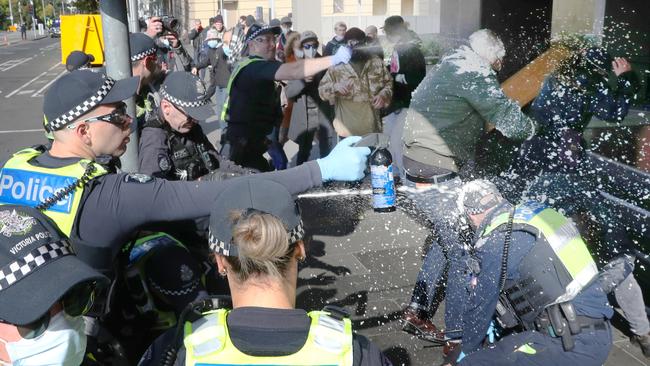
(78, 60)
(187, 92)
(141, 46)
(80, 91)
(252, 195)
(257, 30)
(275, 22)
(393, 22)
(218, 19)
(37, 265)
(354, 33)
(174, 275)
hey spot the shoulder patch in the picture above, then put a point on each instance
(137, 178)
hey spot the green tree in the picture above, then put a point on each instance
(86, 6)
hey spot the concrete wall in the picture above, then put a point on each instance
(578, 16)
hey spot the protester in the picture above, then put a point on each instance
(194, 35)
(446, 118)
(408, 68)
(311, 116)
(293, 52)
(339, 34)
(372, 34)
(238, 38)
(257, 236)
(357, 90)
(171, 53)
(285, 25)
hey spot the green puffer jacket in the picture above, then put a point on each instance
(450, 108)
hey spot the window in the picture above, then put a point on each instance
(338, 6)
(407, 7)
(379, 7)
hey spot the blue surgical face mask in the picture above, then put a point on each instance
(165, 42)
(62, 343)
(214, 43)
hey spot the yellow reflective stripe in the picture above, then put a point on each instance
(527, 349)
(240, 66)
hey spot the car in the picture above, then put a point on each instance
(55, 29)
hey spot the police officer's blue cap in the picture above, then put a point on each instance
(187, 92)
(80, 91)
(78, 60)
(37, 265)
(141, 46)
(257, 30)
(247, 196)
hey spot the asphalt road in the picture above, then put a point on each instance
(359, 259)
(27, 69)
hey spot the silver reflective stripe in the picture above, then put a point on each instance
(562, 236)
(212, 343)
(329, 334)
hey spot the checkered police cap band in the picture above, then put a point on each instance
(84, 107)
(43, 255)
(257, 33)
(180, 103)
(183, 292)
(143, 54)
(230, 249)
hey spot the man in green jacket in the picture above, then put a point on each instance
(449, 112)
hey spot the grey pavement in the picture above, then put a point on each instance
(362, 260)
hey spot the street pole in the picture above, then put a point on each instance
(62, 7)
(118, 65)
(11, 13)
(272, 7)
(134, 24)
(31, 2)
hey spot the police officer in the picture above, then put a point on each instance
(530, 269)
(100, 211)
(78, 60)
(44, 291)
(257, 236)
(144, 64)
(252, 109)
(172, 143)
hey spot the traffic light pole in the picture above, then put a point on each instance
(118, 65)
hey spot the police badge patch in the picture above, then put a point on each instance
(12, 223)
(186, 273)
(163, 163)
(137, 178)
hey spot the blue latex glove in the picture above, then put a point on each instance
(460, 356)
(278, 156)
(342, 56)
(344, 163)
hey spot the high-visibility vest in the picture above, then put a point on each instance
(557, 267)
(329, 342)
(22, 183)
(225, 111)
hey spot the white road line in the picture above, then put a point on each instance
(25, 91)
(20, 131)
(37, 94)
(17, 63)
(24, 85)
(54, 66)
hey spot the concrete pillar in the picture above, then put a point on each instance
(578, 16)
(307, 16)
(459, 18)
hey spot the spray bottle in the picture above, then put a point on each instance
(381, 172)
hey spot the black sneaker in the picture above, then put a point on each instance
(643, 342)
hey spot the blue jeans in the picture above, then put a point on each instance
(438, 204)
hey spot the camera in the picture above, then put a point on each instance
(170, 24)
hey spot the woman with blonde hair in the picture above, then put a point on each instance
(257, 235)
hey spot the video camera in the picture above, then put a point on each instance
(170, 24)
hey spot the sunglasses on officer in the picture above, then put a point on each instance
(76, 302)
(117, 117)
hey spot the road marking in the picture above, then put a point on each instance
(14, 63)
(38, 93)
(25, 91)
(54, 66)
(21, 131)
(24, 85)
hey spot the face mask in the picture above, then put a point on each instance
(165, 42)
(299, 53)
(226, 50)
(214, 43)
(310, 53)
(62, 343)
(285, 30)
(338, 38)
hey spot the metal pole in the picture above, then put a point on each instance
(272, 7)
(134, 24)
(43, 11)
(118, 65)
(62, 7)
(31, 2)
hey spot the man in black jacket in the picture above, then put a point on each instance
(407, 67)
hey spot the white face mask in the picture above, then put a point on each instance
(62, 343)
(165, 42)
(338, 38)
(285, 30)
(214, 43)
(298, 52)
(310, 53)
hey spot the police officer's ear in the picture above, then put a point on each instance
(81, 130)
(300, 253)
(222, 265)
(166, 108)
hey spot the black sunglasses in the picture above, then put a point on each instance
(308, 46)
(118, 117)
(76, 302)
